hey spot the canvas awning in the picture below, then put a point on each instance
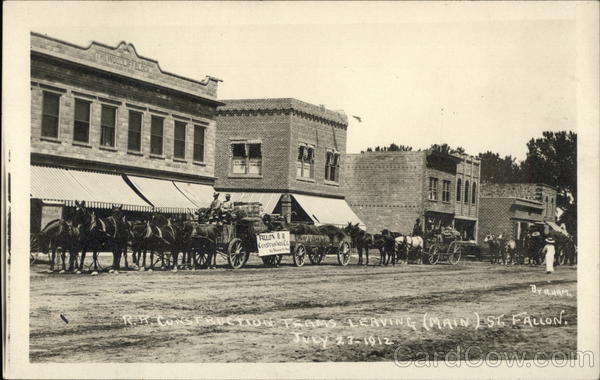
(162, 194)
(268, 200)
(200, 195)
(98, 190)
(555, 227)
(328, 210)
(109, 189)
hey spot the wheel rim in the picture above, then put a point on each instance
(344, 254)
(455, 256)
(236, 255)
(299, 255)
(434, 255)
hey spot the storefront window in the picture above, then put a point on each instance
(246, 158)
(50, 109)
(305, 163)
(179, 140)
(433, 189)
(156, 135)
(107, 126)
(134, 135)
(81, 126)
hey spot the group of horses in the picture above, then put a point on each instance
(393, 247)
(86, 232)
(507, 251)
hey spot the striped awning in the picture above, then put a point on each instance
(200, 195)
(328, 210)
(162, 194)
(98, 190)
(268, 200)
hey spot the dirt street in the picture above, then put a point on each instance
(313, 313)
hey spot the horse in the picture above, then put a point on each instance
(97, 234)
(140, 236)
(361, 240)
(494, 245)
(197, 237)
(410, 244)
(508, 249)
(389, 251)
(56, 235)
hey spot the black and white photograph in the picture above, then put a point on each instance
(300, 189)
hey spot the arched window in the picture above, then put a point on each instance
(467, 192)
(547, 206)
(458, 189)
(551, 206)
(474, 193)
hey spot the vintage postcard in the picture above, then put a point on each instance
(300, 189)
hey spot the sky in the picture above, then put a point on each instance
(484, 76)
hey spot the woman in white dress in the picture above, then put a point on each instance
(549, 251)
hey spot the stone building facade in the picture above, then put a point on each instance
(390, 190)
(269, 147)
(111, 111)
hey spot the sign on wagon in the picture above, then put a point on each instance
(273, 243)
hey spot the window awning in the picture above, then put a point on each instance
(98, 190)
(328, 210)
(200, 195)
(109, 189)
(555, 227)
(268, 200)
(162, 194)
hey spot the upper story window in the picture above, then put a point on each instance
(305, 166)
(50, 112)
(199, 143)
(466, 191)
(81, 124)
(179, 140)
(433, 189)
(107, 126)
(246, 158)
(458, 189)
(446, 191)
(474, 193)
(547, 206)
(156, 135)
(134, 134)
(551, 206)
(332, 166)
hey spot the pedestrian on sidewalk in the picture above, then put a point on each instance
(549, 251)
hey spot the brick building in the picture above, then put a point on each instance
(110, 126)
(392, 189)
(266, 148)
(511, 208)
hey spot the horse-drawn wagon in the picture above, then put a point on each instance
(446, 245)
(271, 241)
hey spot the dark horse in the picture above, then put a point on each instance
(389, 250)
(97, 234)
(199, 241)
(56, 235)
(361, 240)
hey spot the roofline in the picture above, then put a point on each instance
(514, 198)
(92, 43)
(520, 183)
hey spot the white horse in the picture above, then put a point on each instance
(407, 244)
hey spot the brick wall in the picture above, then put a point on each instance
(468, 170)
(495, 217)
(323, 136)
(272, 129)
(386, 190)
(538, 192)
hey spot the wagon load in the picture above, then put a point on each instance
(246, 209)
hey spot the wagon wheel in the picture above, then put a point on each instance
(236, 254)
(343, 254)
(315, 256)
(434, 254)
(200, 258)
(299, 255)
(455, 254)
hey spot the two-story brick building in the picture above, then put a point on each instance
(109, 126)
(511, 208)
(390, 190)
(266, 148)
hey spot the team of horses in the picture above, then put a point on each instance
(506, 251)
(86, 233)
(393, 247)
